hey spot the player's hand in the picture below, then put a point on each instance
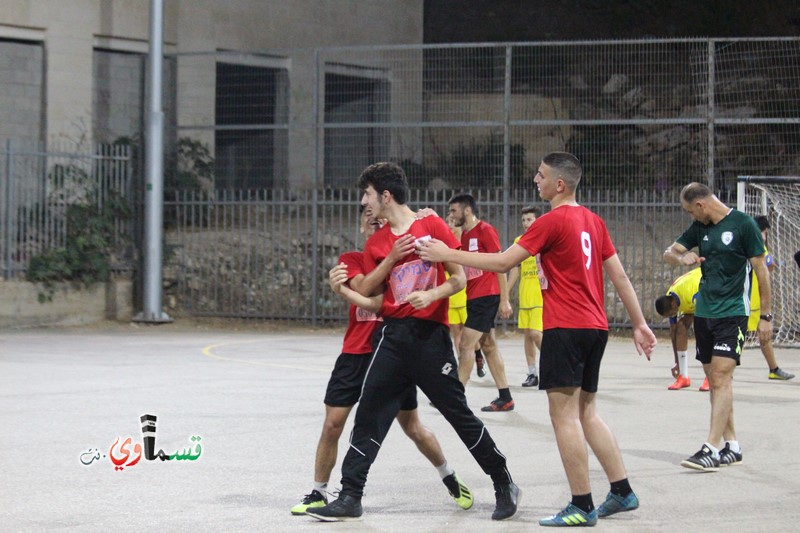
(676, 371)
(337, 277)
(645, 340)
(420, 299)
(691, 258)
(432, 250)
(402, 247)
(425, 212)
(505, 310)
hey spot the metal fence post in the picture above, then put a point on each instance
(711, 114)
(506, 236)
(8, 270)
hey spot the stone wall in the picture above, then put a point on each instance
(71, 305)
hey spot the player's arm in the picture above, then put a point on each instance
(677, 255)
(643, 337)
(372, 283)
(338, 281)
(513, 277)
(437, 251)
(771, 263)
(765, 292)
(505, 303)
(453, 284)
(673, 336)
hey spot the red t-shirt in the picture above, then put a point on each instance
(572, 243)
(410, 273)
(358, 337)
(483, 239)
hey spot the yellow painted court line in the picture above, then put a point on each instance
(208, 351)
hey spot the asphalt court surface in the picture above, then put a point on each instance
(70, 398)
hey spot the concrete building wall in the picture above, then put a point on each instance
(70, 31)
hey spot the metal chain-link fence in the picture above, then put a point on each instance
(286, 133)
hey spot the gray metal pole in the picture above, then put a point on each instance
(9, 208)
(154, 174)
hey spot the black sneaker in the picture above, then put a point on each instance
(480, 364)
(343, 509)
(531, 381)
(728, 457)
(499, 405)
(703, 460)
(506, 496)
(315, 499)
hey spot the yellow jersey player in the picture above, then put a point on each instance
(775, 372)
(529, 317)
(678, 306)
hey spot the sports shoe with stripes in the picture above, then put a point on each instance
(315, 499)
(728, 457)
(703, 460)
(458, 490)
(571, 516)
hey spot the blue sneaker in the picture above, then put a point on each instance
(571, 516)
(617, 504)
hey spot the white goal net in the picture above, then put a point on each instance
(778, 198)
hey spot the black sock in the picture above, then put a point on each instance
(773, 370)
(478, 353)
(621, 488)
(505, 394)
(583, 502)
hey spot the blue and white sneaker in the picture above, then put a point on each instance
(617, 504)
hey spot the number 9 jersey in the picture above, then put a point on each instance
(573, 243)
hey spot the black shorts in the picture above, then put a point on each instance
(571, 358)
(481, 313)
(347, 380)
(719, 337)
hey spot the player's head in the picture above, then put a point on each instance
(697, 199)
(667, 305)
(529, 214)
(451, 223)
(763, 223)
(558, 173)
(461, 207)
(369, 224)
(382, 183)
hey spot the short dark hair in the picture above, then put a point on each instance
(664, 304)
(466, 200)
(763, 222)
(695, 190)
(528, 209)
(567, 165)
(386, 176)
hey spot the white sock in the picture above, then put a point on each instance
(714, 451)
(532, 370)
(444, 470)
(321, 486)
(734, 446)
(683, 364)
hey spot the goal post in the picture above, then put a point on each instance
(778, 198)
